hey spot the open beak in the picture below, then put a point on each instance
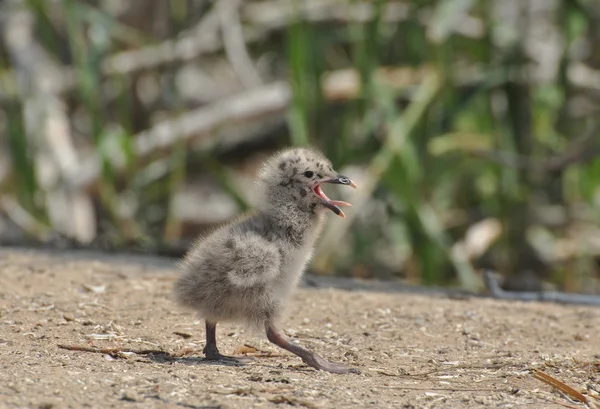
(334, 205)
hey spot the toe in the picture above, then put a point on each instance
(319, 363)
(227, 359)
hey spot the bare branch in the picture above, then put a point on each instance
(189, 45)
(550, 296)
(265, 101)
(583, 151)
(235, 45)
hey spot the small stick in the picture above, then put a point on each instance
(544, 377)
(184, 335)
(566, 405)
(114, 352)
(262, 353)
(184, 351)
(445, 389)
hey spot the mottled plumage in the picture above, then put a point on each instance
(245, 271)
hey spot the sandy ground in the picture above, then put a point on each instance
(413, 351)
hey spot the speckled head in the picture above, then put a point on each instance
(292, 179)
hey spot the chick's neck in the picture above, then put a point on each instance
(293, 221)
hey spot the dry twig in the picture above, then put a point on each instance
(114, 352)
(184, 335)
(201, 39)
(544, 377)
(549, 296)
(235, 44)
(583, 151)
(447, 389)
(266, 101)
(566, 405)
(184, 351)
(251, 350)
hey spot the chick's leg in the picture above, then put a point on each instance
(310, 358)
(210, 350)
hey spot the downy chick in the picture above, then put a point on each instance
(245, 271)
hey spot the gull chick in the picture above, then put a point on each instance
(245, 271)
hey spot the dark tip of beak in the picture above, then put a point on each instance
(342, 180)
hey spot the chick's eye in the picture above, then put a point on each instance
(308, 174)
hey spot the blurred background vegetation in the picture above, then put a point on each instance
(471, 126)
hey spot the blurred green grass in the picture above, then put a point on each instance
(446, 115)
